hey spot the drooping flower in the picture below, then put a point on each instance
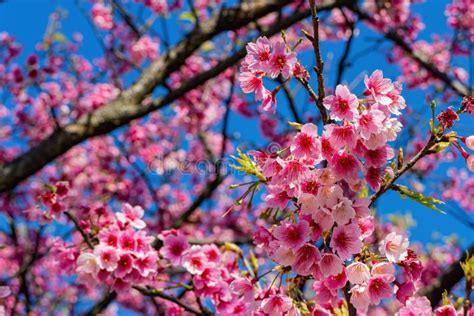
(276, 305)
(394, 247)
(251, 82)
(330, 264)
(343, 105)
(470, 163)
(470, 142)
(343, 212)
(379, 288)
(358, 272)
(305, 258)
(345, 240)
(378, 87)
(341, 135)
(360, 297)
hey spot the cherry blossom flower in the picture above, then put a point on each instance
(394, 247)
(343, 105)
(132, 215)
(292, 235)
(276, 305)
(358, 273)
(345, 240)
(252, 83)
(258, 54)
(470, 142)
(360, 297)
(330, 264)
(470, 163)
(379, 288)
(107, 257)
(306, 143)
(195, 260)
(281, 61)
(419, 306)
(174, 247)
(448, 117)
(446, 310)
(144, 47)
(305, 258)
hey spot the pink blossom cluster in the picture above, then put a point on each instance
(267, 59)
(215, 273)
(459, 188)
(437, 53)
(144, 47)
(52, 198)
(123, 256)
(102, 16)
(460, 17)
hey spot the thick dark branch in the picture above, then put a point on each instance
(128, 105)
(450, 277)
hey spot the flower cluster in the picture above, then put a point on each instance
(213, 271)
(266, 59)
(52, 197)
(123, 255)
(144, 47)
(102, 16)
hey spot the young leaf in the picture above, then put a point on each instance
(420, 198)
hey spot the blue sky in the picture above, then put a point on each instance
(27, 20)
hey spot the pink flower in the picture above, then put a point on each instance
(276, 305)
(341, 136)
(448, 117)
(345, 240)
(306, 143)
(370, 122)
(87, 263)
(258, 54)
(102, 16)
(343, 212)
(470, 163)
(394, 247)
(468, 104)
(447, 310)
(374, 177)
(384, 269)
(250, 82)
(281, 61)
(470, 142)
(419, 306)
(405, 291)
(360, 298)
(124, 265)
(269, 100)
(173, 248)
(292, 235)
(146, 264)
(195, 260)
(358, 273)
(5, 291)
(330, 264)
(127, 241)
(378, 157)
(378, 87)
(379, 288)
(338, 281)
(343, 105)
(131, 215)
(305, 258)
(107, 257)
(345, 166)
(145, 47)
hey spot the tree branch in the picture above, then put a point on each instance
(128, 107)
(450, 277)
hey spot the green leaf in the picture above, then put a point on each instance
(187, 16)
(420, 198)
(245, 164)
